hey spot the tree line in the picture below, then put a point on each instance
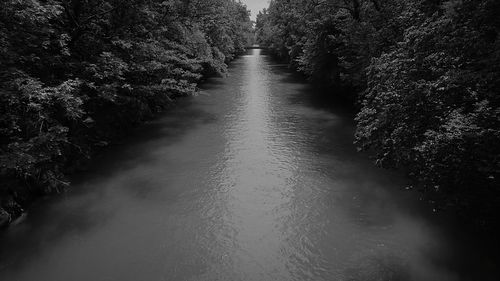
(76, 73)
(425, 75)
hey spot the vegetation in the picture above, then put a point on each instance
(76, 73)
(425, 75)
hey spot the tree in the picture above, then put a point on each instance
(76, 73)
(424, 73)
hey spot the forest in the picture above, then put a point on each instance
(424, 76)
(76, 74)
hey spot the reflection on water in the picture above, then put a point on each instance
(251, 180)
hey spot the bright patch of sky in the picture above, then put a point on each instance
(255, 6)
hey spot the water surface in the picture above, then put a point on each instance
(255, 179)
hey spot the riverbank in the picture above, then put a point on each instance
(93, 72)
(16, 195)
(427, 106)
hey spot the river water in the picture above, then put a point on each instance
(254, 179)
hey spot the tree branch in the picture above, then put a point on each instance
(98, 15)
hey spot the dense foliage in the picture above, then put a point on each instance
(425, 73)
(75, 73)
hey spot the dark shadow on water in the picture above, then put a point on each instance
(22, 243)
(327, 98)
(380, 268)
(46, 224)
(330, 100)
(170, 127)
(212, 83)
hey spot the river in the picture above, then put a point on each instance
(254, 179)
